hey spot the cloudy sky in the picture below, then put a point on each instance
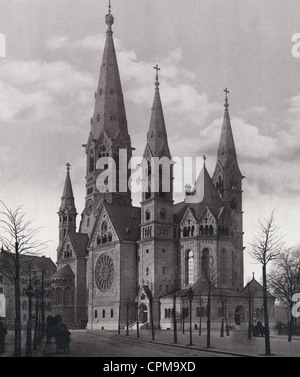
(50, 73)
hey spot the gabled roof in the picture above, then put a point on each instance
(255, 289)
(125, 220)
(64, 272)
(203, 195)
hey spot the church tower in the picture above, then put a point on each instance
(228, 182)
(108, 149)
(67, 212)
(156, 258)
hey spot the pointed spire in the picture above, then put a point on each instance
(157, 136)
(226, 151)
(109, 112)
(67, 199)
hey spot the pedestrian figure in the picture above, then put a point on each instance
(63, 339)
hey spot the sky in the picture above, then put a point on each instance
(50, 73)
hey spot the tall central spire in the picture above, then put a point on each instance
(109, 113)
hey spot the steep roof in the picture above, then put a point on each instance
(109, 112)
(67, 199)
(203, 195)
(79, 242)
(255, 289)
(157, 139)
(126, 221)
(226, 151)
(64, 272)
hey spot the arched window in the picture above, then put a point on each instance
(98, 239)
(59, 296)
(211, 230)
(103, 313)
(147, 215)
(67, 296)
(92, 162)
(190, 267)
(205, 261)
(201, 230)
(147, 270)
(109, 238)
(96, 313)
(104, 238)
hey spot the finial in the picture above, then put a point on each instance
(109, 19)
(204, 159)
(226, 97)
(253, 275)
(156, 76)
(68, 167)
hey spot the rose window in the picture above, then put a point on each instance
(104, 273)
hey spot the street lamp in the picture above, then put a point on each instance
(35, 339)
(190, 296)
(29, 294)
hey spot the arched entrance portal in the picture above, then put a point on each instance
(239, 315)
(143, 313)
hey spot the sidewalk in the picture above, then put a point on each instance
(237, 343)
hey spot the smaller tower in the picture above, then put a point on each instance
(227, 179)
(156, 250)
(67, 212)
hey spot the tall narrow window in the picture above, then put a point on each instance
(190, 267)
(205, 261)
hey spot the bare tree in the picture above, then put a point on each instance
(284, 281)
(266, 247)
(208, 282)
(18, 238)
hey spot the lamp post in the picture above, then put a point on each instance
(35, 339)
(29, 293)
(190, 298)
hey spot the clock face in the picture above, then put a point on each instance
(104, 273)
(89, 207)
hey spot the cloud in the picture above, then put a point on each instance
(35, 91)
(90, 42)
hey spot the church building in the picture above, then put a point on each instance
(127, 264)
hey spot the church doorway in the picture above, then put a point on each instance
(239, 315)
(143, 313)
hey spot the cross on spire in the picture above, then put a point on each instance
(156, 76)
(68, 166)
(204, 159)
(109, 7)
(226, 96)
